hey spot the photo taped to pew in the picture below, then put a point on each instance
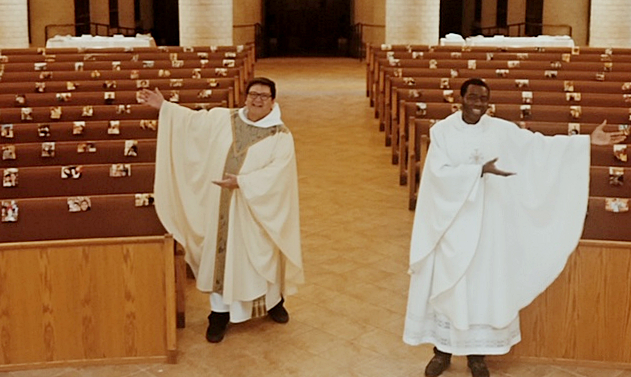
(43, 130)
(20, 100)
(48, 149)
(148, 124)
(616, 205)
(9, 211)
(10, 177)
(79, 204)
(144, 200)
(616, 176)
(55, 112)
(8, 152)
(73, 171)
(87, 147)
(26, 113)
(131, 148)
(120, 170)
(78, 127)
(113, 128)
(620, 152)
(7, 131)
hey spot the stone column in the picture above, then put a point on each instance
(412, 21)
(13, 24)
(609, 24)
(205, 22)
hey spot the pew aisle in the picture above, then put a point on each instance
(347, 320)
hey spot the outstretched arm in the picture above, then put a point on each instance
(152, 98)
(602, 137)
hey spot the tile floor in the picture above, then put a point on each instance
(347, 319)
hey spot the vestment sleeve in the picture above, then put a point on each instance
(445, 188)
(188, 158)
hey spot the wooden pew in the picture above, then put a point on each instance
(80, 86)
(602, 157)
(412, 84)
(46, 181)
(41, 194)
(120, 97)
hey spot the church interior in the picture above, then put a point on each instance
(91, 284)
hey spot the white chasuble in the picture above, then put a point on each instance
(484, 247)
(257, 229)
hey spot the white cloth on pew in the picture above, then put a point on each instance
(263, 240)
(484, 247)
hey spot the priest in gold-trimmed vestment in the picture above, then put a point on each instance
(226, 188)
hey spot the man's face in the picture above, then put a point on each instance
(259, 102)
(474, 103)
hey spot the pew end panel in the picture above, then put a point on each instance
(87, 302)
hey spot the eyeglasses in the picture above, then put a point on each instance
(263, 96)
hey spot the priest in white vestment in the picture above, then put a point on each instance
(226, 187)
(499, 211)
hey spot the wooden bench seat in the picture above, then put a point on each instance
(66, 153)
(120, 97)
(120, 56)
(600, 183)
(99, 112)
(41, 219)
(93, 130)
(95, 179)
(601, 224)
(511, 112)
(120, 65)
(141, 74)
(396, 85)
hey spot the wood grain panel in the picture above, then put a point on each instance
(69, 302)
(585, 315)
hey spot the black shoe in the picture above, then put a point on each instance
(217, 325)
(438, 364)
(478, 366)
(278, 313)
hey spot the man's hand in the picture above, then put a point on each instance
(229, 181)
(152, 98)
(602, 137)
(489, 167)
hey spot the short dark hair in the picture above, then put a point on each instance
(262, 81)
(473, 81)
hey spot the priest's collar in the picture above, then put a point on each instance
(270, 120)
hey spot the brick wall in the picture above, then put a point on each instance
(205, 22)
(412, 21)
(609, 24)
(13, 24)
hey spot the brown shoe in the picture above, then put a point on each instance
(438, 364)
(478, 366)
